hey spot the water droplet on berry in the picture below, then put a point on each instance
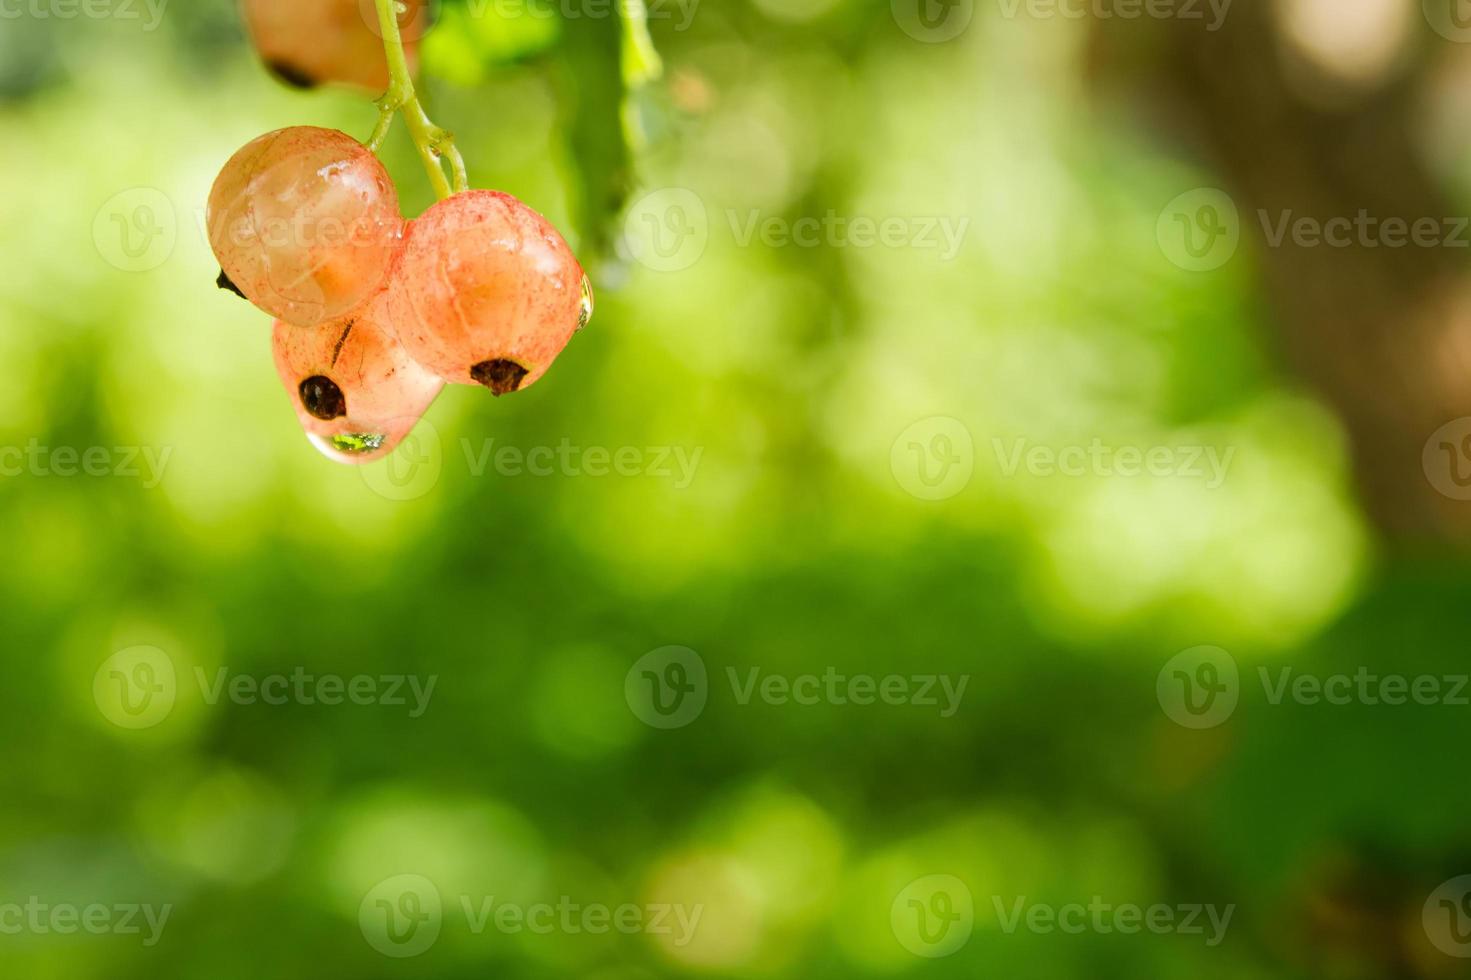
(357, 443)
(586, 309)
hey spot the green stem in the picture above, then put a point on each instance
(434, 144)
(380, 132)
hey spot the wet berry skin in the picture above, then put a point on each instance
(356, 391)
(487, 292)
(305, 223)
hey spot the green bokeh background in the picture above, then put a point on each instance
(798, 378)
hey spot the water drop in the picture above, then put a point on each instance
(586, 309)
(357, 443)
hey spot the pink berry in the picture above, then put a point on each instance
(487, 292)
(356, 391)
(307, 43)
(305, 224)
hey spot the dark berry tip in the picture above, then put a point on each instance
(500, 376)
(291, 75)
(322, 399)
(224, 283)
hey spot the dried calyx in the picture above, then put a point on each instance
(322, 399)
(500, 376)
(224, 282)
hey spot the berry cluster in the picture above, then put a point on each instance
(375, 313)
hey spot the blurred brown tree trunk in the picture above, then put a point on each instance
(1384, 334)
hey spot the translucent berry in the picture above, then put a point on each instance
(307, 43)
(356, 391)
(487, 292)
(305, 224)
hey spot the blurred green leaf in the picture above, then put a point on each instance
(469, 41)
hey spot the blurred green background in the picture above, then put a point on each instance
(848, 415)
